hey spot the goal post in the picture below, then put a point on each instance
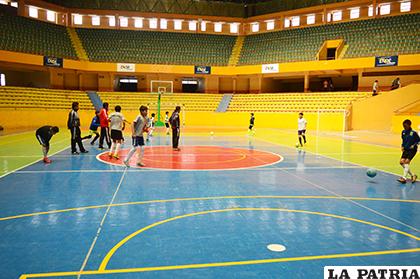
(161, 87)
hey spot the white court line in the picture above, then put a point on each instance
(340, 196)
(98, 232)
(157, 170)
(352, 201)
(33, 162)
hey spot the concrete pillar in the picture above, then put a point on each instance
(306, 83)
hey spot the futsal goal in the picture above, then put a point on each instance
(160, 88)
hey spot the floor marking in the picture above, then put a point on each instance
(219, 264)
(98, 232)
(338, 195)
(354, 202)
(40, 158)
(111, 252)
(335, 197)
(276, 247)
(157, 170)
(328, 157)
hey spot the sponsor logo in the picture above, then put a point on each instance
(122, 67)
(203, 70)
(385, 61)
(53, 61)
(371, 272)
(270, 68)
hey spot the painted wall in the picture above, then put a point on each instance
(375, 113)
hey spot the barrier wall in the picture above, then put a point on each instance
(32, 119)
(377, 113)
(397, 121)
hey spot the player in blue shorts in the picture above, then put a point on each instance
(138, 127)
(44, 135)
(410, 141)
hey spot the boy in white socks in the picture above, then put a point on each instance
(138, 127)
(117, 126)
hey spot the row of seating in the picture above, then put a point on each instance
(382, 36)
(294, 102)
(22, 34)
(23, 98)
(189, 102)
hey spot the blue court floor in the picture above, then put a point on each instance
(82, 218)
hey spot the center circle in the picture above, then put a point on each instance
(196, 158)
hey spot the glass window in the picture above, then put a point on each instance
(77, 19)
(14, 4)
(153, 22)
(2, 80)
(123, 21)
(163, 23)
(270, 24)
(405, 6)
(217, 27)
(370, 11)
(177, 24)
(50, 16)
(354, 13)
(33, 12)
(234, 27)
(138, 22)
(310, 19)
(96, 20)
(203, 26)
(385, 9)
(255, 27)
(295, 21)
(337, 15)
(286, 23)
(192, 25)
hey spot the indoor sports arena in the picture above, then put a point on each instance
(209, 139)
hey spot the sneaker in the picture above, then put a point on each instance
(126, 164)
(177, 149)
(402, 180)
(92, 143)
(413, 178)
(46, 160)
(110, 155)
(84, 151)
(116, 156)
(141, 165)
(75, 153)
(101, 148)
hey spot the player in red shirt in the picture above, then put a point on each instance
(104, 123)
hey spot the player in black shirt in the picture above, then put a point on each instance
(44, 135)
(251, 122)
(410, 141)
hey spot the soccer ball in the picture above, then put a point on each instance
(297, 145)
(371, 173)
(211, 133)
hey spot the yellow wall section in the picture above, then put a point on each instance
(32, 119)
(353, 63)
(397, 121)
(376, 113)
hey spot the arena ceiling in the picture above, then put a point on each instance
(232, 8)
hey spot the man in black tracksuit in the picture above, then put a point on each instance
(73, 124)
(175, 125)
(44, 135)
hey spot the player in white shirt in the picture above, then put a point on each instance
(138, 127)
(302, 129)
(167, 122)
(151, 126)
(375, 88)
(117, 126)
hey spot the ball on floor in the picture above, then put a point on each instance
(371, 173)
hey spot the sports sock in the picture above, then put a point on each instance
(407, 170)
(117, 148)
(300, 140)
(304, 138)
(130, 154)
(140, 156)
(45, 151)
(112, 148)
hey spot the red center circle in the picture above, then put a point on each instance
(196, 158)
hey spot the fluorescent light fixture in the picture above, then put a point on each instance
(163, 23)
(218, 27)
(123, 21)
(51, 15)
(153, 23)
(96, 20)
(77, 19)
(33, 12)
(234, 27)
(255, 27)
(192, 25)
(310, 19)
(270, 24)
(138, 22)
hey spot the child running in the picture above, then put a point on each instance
(167, 122)
(138, 126)
(117, 126)
(410, 141)
(44, 135)
(302, 129)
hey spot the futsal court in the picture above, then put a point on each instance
(228, 205)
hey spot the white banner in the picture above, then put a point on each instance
(123, 67)
(368, 272)
(270, 68)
